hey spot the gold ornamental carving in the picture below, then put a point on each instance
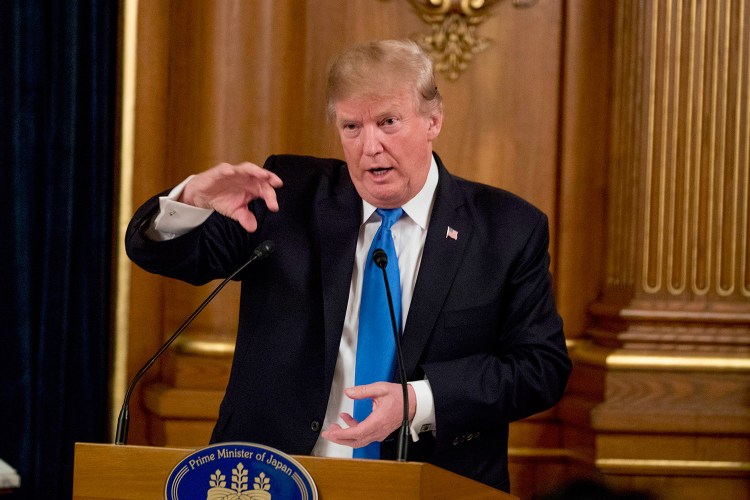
(454, 40)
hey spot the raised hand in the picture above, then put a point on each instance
(229, 188)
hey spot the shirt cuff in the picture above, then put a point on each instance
(424, 417)
(176, 218)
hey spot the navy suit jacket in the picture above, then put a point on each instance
(482, 325)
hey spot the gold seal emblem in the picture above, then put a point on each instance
(240, 488)
(257, 472)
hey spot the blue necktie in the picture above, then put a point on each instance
(376, 348)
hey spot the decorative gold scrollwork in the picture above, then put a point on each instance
(454, 40)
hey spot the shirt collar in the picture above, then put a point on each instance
(418, 208)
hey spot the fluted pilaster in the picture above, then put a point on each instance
(678, 262)
(663, 373)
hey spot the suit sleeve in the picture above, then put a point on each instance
(520, 366)
(211, 251)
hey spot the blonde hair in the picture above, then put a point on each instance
(379, 67)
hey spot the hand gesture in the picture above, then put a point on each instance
(387, 415)
(229, 188)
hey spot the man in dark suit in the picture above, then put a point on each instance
(482, 341)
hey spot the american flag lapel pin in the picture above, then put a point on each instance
(451, 233)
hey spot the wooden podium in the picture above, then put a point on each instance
(107, 471)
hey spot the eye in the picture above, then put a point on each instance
(350, 129)
(389, 122)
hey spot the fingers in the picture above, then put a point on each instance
(355, 435)
(259, 183)
(246, 219)
(348, 420)
(229, 188)
(268, 193)
(332, 429)
(386, 416)
(367, 391)
(337, 431)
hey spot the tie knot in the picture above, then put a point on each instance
(389, 216)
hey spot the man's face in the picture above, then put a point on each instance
(387, 145)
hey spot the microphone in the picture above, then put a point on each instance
(380, 259)
(121, 437)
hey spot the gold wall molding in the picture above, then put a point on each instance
(128, 81)
(581, 350)
(518, 453)
(711, 468)
(207, 344)
(638, 466)
(619, 359)
(454, 40)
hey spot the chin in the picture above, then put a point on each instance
(386, 197)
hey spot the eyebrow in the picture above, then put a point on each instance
(378, 117)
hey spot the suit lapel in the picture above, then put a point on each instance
(440, 261)
(338, 219)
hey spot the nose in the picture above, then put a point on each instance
(371, 143)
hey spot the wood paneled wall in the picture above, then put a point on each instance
(659, 396)
(236, 80)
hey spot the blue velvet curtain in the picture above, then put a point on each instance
(58, 91)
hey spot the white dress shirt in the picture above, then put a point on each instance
(409, 234)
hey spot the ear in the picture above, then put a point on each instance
(435, 124)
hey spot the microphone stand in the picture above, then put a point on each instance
(381, 260)
(123, 421)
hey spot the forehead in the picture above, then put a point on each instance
(402, 100)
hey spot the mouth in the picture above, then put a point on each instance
(380, 171)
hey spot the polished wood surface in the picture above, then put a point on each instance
(105, 471)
